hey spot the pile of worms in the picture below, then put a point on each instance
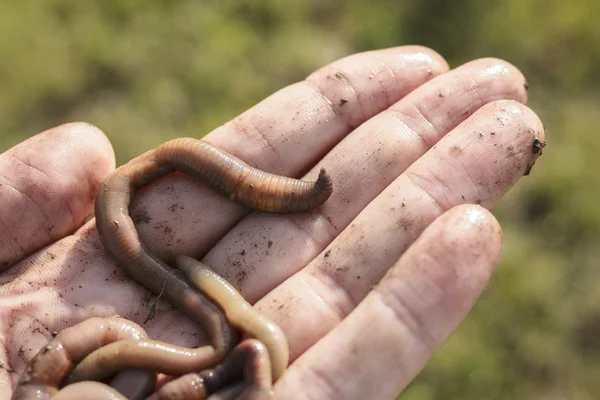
(113, 358)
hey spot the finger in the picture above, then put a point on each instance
(264, 250)
(475, 163)
(412, 312)
(47, 187)
(287, 134)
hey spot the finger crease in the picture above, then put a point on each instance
(30, 166)
(340, 303)
(414, 178)
(393, 301)
(383, 87)
(6, 183)
(261, 135)
(329, 102)
(67, 204)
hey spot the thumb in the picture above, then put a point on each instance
(47, 187)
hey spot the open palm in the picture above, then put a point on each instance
(366, 288)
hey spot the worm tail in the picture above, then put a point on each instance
(242, 183)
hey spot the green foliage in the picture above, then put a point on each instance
(147, 71)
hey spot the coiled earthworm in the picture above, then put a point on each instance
(249, 361)
(238, 311)
(176, 360)
(47, 369)
(225, 173)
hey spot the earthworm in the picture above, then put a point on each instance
(232, 392)
(236, 180)
(88, 391)
(248, 361)
(147, 354)
(257, 372)
(176, 360)
(226, 174)
(134, 383)
(239, 312)
(47, 369)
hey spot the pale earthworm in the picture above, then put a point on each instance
(88, 391)
(45, 372)
(226, 174)
(146, 354)
(238, 311)
(247, 369)
(176, 360)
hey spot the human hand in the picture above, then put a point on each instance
(366, 288)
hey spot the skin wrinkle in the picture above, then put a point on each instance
(336, 280)
(15, 157)
(66, 203)
(316, 214)
(466, 171)
(35, 204)
(339, 306)
(317, 90)
(430, 139)
(481, 82)
(329, 385)
(383, 88)
(423, 61)
(243, 124)
(15, 242)
(417, 179)
(440, 182)
(343, 77)
(394, 301)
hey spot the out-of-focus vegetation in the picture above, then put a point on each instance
(146, 71)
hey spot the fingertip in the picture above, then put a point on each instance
(467, 241)
(474, 224)
(496, 68)
(87, 138)
(425, 54)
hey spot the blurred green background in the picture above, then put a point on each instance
(146, 71)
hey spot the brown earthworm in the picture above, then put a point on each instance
(226, 174)
(47, 369)
(248, 361)
(232, 392)
(239, 312)
(257, 372)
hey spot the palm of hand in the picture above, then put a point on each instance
(402, 150)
